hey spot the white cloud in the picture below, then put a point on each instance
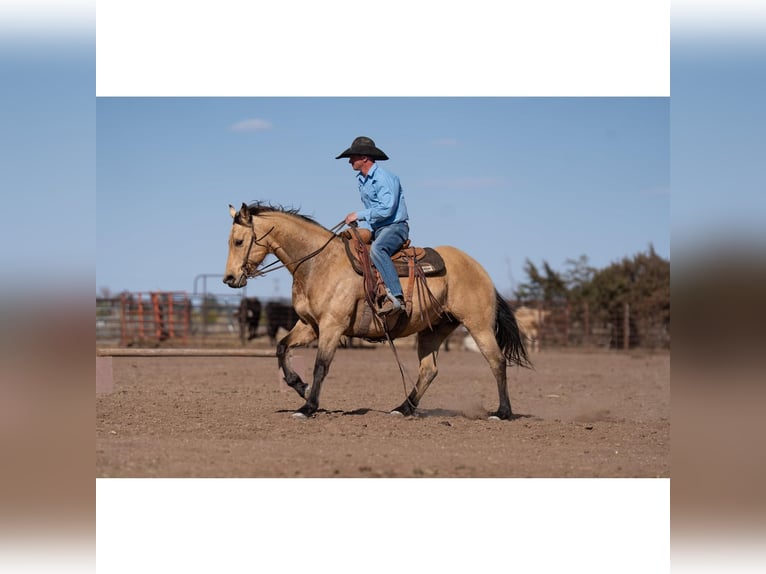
(251, 125)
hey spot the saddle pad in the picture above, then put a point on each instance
(428, 259)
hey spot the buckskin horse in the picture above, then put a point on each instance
(329, 297)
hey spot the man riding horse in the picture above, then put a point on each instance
(331, 300)
(385, 212)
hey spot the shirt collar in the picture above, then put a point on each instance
(369, 173)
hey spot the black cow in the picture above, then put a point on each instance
(249, 316)
(279, 315)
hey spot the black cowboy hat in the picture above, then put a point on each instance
(364, 146)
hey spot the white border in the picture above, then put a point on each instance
(400, 48)
(380, 525)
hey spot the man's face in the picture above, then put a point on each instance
(357, 161)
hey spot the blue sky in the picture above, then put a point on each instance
(505, 179)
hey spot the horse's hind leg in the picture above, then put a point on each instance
(428, 350)
(485, 340)
(301, 334)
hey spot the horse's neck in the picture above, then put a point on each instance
(295, 238)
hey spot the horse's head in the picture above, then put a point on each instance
(247, 247)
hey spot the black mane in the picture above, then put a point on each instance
(258, 207)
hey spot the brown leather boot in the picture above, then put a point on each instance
(391, 305)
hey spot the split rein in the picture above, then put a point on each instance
(270, 267)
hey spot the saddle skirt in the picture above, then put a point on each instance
(428, 259)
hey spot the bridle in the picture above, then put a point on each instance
(247, 269)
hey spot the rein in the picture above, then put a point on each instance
(369, 281)
(265, 270)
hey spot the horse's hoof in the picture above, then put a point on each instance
(300, 416)
(396, 414)
(494, 418)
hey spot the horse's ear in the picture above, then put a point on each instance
(232, 211)
(244, 213)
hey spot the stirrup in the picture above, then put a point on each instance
(390, 305)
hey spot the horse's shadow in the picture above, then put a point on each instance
(452, 413)
(338, 411)
(419, 413)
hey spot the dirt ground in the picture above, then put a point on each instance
(578, 414)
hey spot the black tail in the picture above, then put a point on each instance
(508, 336)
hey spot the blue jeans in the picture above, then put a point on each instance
(387, 241)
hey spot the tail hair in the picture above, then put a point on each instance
(509, 336)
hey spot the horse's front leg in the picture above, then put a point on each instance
(329, 339)
(301, 334)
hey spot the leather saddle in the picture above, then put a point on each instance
(412, 262)
(426, 258)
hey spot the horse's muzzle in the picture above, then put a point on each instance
(235, 282)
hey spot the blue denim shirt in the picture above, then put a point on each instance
(383, 198)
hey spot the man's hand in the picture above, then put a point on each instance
(351, 218)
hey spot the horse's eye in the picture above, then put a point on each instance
(238, 242)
